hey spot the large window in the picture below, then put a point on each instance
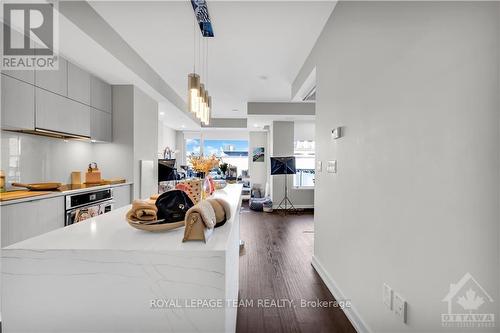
(193, 147)
(233, 152)
(305, 164)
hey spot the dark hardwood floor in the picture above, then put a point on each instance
(275, 264)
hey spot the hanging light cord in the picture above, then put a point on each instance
(194, 45)
(199, 55)
(207, 60)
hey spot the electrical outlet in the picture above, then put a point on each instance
(387, 296)
(399, 307)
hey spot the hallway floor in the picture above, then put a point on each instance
(275, 267)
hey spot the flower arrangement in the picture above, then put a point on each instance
(202, 163)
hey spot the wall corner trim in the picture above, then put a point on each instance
(352, 314)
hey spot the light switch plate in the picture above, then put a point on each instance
(399, 305)
(319, 166)
(387, 296)
(332, 166)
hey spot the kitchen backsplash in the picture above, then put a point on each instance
(30, 158)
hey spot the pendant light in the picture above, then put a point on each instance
(206, 116)
(199, 100)
(193, 80)
(193, 92)
(209, 104)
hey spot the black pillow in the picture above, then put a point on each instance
(173, 205)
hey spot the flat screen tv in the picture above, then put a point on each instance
(283, 165)
(166, 170)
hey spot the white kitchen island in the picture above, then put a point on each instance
(102, 275)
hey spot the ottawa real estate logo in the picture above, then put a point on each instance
(29, 36)
(468, 305)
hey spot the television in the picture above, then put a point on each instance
(283, 165)
(166, 170)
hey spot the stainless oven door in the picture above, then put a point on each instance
(86, 212)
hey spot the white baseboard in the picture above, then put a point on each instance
(351, 312)
(297, 206)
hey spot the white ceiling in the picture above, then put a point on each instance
(252, 40)
(171, 117)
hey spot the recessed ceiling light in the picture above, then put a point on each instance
(235, 110)
(183, 126)
(162, 113)
(255, 125)
(263, 77)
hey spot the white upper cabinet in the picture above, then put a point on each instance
(54, 80)
(101, 125)
(100, 95)
(78, 84)
(18, 104)
(61, 114)
(27, 76)
(58, 100)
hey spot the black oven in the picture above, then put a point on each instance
(82, 206)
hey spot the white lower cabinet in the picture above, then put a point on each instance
(121, 196)
(29, 219)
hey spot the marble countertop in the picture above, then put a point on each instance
(111, 231)
(61, 193)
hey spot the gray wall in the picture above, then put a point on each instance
(283, 140)
(281, 108)
(181, 146)
(258, 171)
(145, 136)
(167, 137)
(415, 202)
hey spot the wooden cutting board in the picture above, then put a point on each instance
(13, 195)
(113, 181)
(39, 186)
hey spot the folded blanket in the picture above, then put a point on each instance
(143, 211)
(206, 211)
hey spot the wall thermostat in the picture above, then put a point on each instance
(337, 132)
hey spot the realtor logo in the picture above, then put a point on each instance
(29, 36)
(466, 301)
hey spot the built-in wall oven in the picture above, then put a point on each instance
(82, 206)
